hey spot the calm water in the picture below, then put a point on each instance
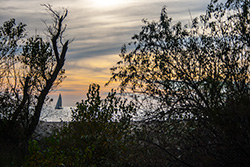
(50, 114)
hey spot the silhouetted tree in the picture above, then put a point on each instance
(30, 69)
(99, 134)
(195, 81)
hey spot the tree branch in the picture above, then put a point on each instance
(166, 151)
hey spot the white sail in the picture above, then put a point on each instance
(59, 102)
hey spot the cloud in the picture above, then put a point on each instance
(67, 90)
(98, 32)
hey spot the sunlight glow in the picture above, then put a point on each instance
(107, 3)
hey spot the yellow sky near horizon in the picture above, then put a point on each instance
(78, 79)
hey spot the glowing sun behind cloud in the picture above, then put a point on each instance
(107, 3)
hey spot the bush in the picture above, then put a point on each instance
(95, 137)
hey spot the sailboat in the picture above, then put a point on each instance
(59, 102)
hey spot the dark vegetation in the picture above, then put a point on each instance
(191, 82)
(30, 68)
(93, 138)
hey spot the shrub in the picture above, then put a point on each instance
(99, 135)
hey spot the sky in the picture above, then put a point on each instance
(99, 28)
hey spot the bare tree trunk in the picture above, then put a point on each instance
(45, 91)
(56, 32)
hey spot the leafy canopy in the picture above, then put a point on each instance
(190, 69)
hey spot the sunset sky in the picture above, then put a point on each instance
(99, 29)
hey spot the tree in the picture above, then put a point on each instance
(198, 76)
(30, 69)
(99, 135)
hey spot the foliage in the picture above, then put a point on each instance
(201, 67)
(94, 137)
(30, 68)
(194, 80)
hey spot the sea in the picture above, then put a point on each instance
(50, 114)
